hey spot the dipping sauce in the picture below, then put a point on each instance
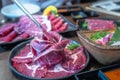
(113, 74)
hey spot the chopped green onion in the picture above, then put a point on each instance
(98, 35)
(72, 46)
(84, 25)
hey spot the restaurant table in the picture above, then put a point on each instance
(5, 73)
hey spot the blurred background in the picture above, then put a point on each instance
(45, 3)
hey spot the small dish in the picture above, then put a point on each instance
(78, 15)
(83, 14)
(12, 11)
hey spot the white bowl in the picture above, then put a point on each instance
(13, 11)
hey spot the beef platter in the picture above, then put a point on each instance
(42, 58)
(25, 29)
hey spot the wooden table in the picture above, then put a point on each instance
(5, 73)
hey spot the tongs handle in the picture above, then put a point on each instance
(27, 13)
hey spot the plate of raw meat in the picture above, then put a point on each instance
(24, 28)
(61, 24)
(48, 58)
(9, 37)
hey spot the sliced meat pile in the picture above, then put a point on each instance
(26, 25)
(25, 28)
(46, 58)
(98, 24)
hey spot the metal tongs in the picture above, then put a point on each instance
(32, 18)
(27, 13)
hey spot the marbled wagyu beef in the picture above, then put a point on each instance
(99, 24)
(49, 58)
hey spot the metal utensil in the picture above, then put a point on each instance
(27, 13)
(33, 19)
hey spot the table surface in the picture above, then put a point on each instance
(5, 73)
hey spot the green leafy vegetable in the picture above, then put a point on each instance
(53, 12)
(84, 25)
(72, 46)
(98, 35)
(115, 37)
